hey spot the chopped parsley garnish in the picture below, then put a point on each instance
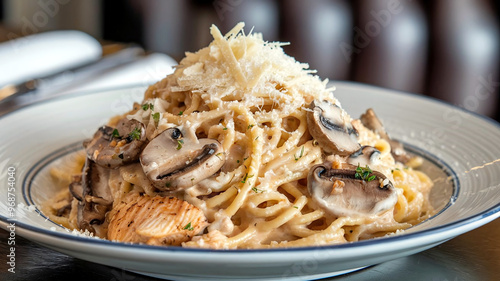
(256, 190)
(250, 126)
(120, 155)
(246, 178)
(135, 134)
(180, 113)
(189, 226)
(147, 106)
(296, 207)
(225, 128)
(218, 155)
(156, 117)
(364, 173)
(180, 142)
(115, 134)
(300, 155)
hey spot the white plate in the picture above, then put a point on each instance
(461, 149)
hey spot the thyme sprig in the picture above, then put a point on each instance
(364, 173)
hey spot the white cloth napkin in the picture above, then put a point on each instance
(142, 72)
(46, 53)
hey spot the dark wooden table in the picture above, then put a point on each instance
(471, 256)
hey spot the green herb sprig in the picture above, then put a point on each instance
(180, 142)
(135, 134)
(189, 226)
(246, 178)
(115, 134)
(147, 106)
(300, 155)
(156, 117)
(364, 173)
(256, 190)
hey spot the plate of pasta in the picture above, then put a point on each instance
(244, 164)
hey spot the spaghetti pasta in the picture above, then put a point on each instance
(244, 97)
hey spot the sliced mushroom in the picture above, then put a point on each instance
(345, 191)
(331, 127)
(64, 211)
(76, 188)
(96, 198)
(172, 162)
(366, 155)
(114, 147)
(371, 121)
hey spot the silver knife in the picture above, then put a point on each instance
(70, 76)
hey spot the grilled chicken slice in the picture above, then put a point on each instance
(212, 240)
(155, 220)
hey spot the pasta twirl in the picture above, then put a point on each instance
(256, 146)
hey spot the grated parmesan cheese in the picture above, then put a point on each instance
(237, 64)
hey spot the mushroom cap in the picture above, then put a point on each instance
(112, 150)
(399, 152)
(172, 162)
(341, 193)
(76, 188)
(366, 155)
(372, 122)
(96, 199)
(331, 127)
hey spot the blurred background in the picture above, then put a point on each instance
(447, 49)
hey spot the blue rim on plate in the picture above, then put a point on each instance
(432, 158)
(435, 234)
(72, 148)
